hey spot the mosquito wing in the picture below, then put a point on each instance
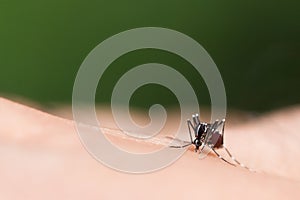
(206, 148)
(213, 138)
(210, 131)
(215, 134)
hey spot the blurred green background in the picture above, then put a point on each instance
(255, 44)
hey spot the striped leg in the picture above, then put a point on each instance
(232, 158)
(236, 161)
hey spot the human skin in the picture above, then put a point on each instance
(41, 157)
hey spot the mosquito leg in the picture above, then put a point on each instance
(197, 118)
(194, 120)
(219, 156)
(236, 161)
(189, 124)
(223, 122)
(179, 147)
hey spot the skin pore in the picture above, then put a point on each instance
(42, 157)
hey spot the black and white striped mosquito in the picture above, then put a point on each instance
(208, 136)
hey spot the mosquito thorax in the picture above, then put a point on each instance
(201, 129)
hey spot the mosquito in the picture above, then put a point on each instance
(208, 135)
